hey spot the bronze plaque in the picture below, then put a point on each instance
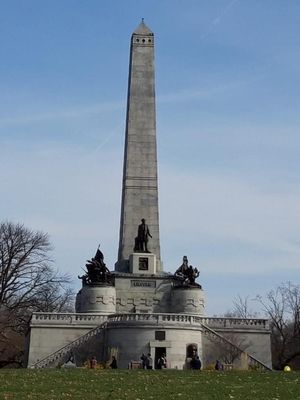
(143, 263)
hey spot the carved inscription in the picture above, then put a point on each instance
(143, 284)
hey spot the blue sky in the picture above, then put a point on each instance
(228, 113)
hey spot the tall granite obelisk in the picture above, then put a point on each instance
(140, 189)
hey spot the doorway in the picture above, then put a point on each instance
(159, 351)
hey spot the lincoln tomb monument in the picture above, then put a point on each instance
(139, 308)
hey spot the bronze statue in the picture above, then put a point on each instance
(187, 273)
(193, 273)
(141, 241)
(182, 271)
(97, 272)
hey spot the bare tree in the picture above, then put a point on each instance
(230, 353)
(282, 307)
(25, 265)
(230, 349)
(28, 281)
(53, 300)
(241, 308)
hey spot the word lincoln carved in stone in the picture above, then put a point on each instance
(144, 284)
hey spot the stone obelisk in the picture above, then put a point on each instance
(140, 189)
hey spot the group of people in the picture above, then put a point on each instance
(147, 362)
(162, 362)
(112, 365)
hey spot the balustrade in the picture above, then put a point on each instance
(67, 318)
(97, 319)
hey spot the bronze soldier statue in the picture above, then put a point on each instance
(187, 273)
(97, 272)
(183, 270)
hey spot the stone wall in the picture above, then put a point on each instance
(251, 335)
(51, 331)
(142, 340)
(130, 335)
(156, 294)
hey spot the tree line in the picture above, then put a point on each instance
(282, 307)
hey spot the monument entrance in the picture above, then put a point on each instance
(159, 353)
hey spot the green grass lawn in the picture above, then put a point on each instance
(137, 384)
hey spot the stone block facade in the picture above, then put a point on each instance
(130, 335)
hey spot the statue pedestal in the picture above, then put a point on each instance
(96, 299)
(187, 300)
(142, 263)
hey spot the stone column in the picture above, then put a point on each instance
(140, 191)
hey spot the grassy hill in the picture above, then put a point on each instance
(138, 385)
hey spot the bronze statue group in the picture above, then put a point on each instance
(187, 274)
(96, 272)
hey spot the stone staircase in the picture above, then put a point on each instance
(253, 362)
(53, 359)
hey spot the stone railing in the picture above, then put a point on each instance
(215, 323)
(155, 318)
(97, 319)
(253, 362)
(67, 319)
(235, 323)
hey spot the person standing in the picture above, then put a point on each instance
(162, 362)
(93, 363)
(113, 364)
(144, 359)
(218, 366)
(196, 363)
(149, 362)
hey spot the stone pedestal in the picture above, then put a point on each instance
(142, 263)
(96, 299)
(187, 300)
